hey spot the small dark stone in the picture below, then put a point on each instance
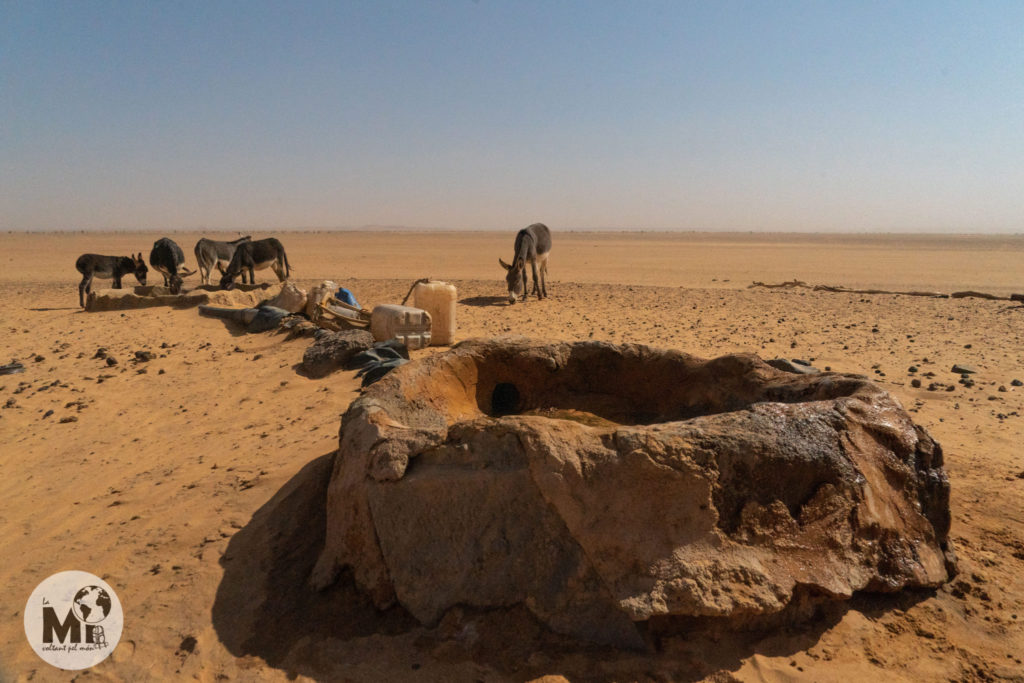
(100, 353)
(1002, 388)
(111, 360)
(951, 388)
(188, 645)
(916, 383)
(47, 414)
(1017, 383)
(144, 356)
(963, 369)
(39, 359)
(967, 346)
(69, 418)
(912, 368)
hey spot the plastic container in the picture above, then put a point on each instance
(438, 299)
(409, 325)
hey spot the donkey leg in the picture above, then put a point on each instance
(536, 280)
(83, 289)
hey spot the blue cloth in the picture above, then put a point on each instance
(347, 297)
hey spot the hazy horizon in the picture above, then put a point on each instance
(587, 116)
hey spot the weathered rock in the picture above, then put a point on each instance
(963, 369)
(601, 485)
(333, 350)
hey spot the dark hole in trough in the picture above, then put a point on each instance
(504, 399)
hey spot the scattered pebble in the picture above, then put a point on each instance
(69, 418)
(111, 361)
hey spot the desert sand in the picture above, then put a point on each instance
(176, 479)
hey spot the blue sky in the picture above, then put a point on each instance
(828, 116)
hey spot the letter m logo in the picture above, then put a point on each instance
(52, 625)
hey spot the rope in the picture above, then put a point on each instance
(422, 280)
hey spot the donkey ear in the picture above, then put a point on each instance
(504, 265)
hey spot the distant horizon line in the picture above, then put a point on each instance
(404, 228)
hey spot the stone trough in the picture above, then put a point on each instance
(603, 485)
(155, 295)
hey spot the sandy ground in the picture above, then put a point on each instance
(178, 480)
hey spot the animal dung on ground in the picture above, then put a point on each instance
(602, 485)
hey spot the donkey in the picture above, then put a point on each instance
(168, 258)
(533, 244)
(253, 256)
(210, 253)
(106, 268)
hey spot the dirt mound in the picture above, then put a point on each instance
(601, 485)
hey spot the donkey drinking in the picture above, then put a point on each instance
(533, 244)
(106, 268)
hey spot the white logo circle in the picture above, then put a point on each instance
(73, 620)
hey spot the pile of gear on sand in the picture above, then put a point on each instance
(346, 334)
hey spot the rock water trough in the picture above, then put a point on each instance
(603, 485)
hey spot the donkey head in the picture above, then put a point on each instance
(176, 280)
(515, 278)
(140, 269)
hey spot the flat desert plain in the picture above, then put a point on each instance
(178, 480)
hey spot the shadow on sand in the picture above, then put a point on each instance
(480, 301)
(264, 608)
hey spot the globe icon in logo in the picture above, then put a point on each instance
(91, 605)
